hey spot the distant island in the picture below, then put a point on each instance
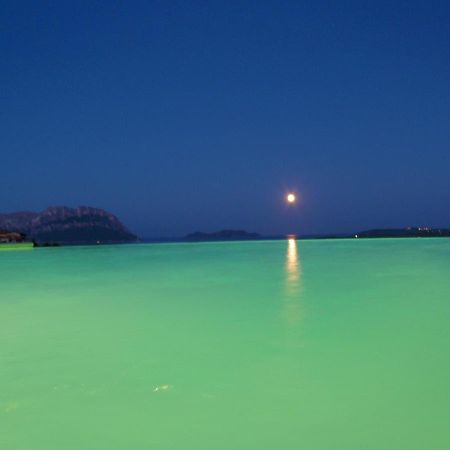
(63, 225)
(404, 232)
(241, 235)
(223, 235)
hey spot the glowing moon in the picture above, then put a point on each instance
(290, 198)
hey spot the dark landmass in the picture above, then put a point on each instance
(86, 225)
(404, 232)
(223, 235)
(62, 225)
(231, 235)
(236, 235)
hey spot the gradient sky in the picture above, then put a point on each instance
(180, 116)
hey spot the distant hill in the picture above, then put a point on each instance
(60, 224)
(405, 232)
(223, 235)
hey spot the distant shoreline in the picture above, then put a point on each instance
(97, 227)
(283, 237)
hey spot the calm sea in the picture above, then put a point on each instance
(272, 345)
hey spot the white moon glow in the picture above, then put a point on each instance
(290, 198)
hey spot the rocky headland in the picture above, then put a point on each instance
(63, 225)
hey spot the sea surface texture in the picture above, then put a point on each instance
(269, 345)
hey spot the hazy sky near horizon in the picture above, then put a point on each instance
(198, 115)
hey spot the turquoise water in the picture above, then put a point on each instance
(277, 345)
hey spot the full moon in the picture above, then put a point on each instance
(290, 198)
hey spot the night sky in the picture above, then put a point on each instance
(180, 116)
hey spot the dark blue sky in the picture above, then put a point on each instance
(182, 116)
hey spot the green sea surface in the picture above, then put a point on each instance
(267, 345)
